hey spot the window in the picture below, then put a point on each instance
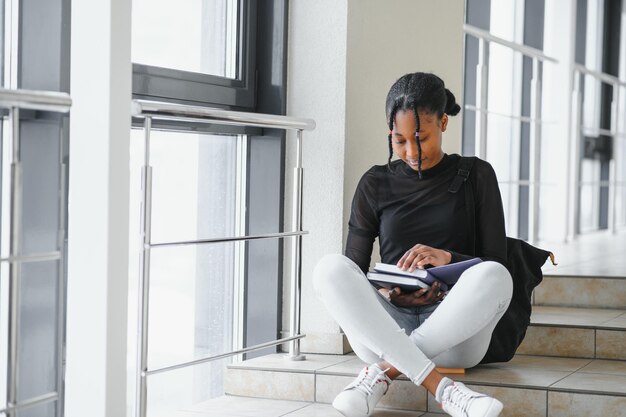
(498, 124)
(195, 36)
(209, 182)
(600, 193)
(198, 52)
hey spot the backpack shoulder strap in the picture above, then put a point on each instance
(463, 171)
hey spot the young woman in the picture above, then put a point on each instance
(419, 223)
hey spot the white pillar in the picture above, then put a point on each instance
(98, 209)
(557, 134)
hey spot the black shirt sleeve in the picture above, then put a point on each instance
(363, 224)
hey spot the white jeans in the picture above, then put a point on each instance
(456, 334)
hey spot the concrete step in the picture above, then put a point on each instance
(581, 291)
(527, 385)
(576, 332)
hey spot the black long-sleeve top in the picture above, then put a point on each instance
(402, 210)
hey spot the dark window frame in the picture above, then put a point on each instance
(171, 85)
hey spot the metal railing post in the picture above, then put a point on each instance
(144, 284)
(574, 161)
(296, 254)
(15, 100)
(613, 163)
(534, 152)
(482, 74)
(14, 267)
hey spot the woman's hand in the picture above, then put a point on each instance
(420, 297)
(420, 255)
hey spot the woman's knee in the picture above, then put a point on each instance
(492, 276)
(333, 270)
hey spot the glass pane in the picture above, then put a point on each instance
(620, 176)
(188, 389)
(193, 35)
(191, 303)
(590, 195)
(193, 184)
(503, 146)
(620, 206)
(38, 331)
(192, 296)
(510, 196)
(592, 88)
(43, 410)
(40, 167)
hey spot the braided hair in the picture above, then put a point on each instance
(419, 91)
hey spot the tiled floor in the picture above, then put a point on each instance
(593, 255)
(522, 371)
(601, 318)
(232, 406)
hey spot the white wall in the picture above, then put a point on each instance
(343, 57)
(385, 41)
(316, 88)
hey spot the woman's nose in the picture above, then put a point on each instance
(411, 149)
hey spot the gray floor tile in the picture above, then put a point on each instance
(599, 366)
(326, 410)
(516, 377)
(546, 363)
(350, 367)
(243, 406)
(584, 317)
(565, 404)
(598, 383)
(279, 362)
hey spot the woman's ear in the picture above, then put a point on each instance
(444, 122)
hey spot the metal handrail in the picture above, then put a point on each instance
(538, 58)
(149, 110)
(602, 76)
(38, 257)
(16, 101)
(223, 355)
(40, 400)
(35, 100)
(228, 239)
(525, 50)
(198, 114)
(526, 119)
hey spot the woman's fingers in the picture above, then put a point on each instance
(421, 255)
(423, 296)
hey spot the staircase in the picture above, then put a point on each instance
(572, 363)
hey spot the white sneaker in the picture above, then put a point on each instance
(459, 401)
(360, 397)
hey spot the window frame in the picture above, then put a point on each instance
(166, 84)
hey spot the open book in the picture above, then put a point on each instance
(391, 276)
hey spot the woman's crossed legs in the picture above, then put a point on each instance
(456, 334)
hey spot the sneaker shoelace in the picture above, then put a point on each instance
(459, 399)
(369, 380)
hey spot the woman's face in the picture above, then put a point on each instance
(403, 138)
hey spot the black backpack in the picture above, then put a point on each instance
(524, 262)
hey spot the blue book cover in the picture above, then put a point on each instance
(447, 275)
